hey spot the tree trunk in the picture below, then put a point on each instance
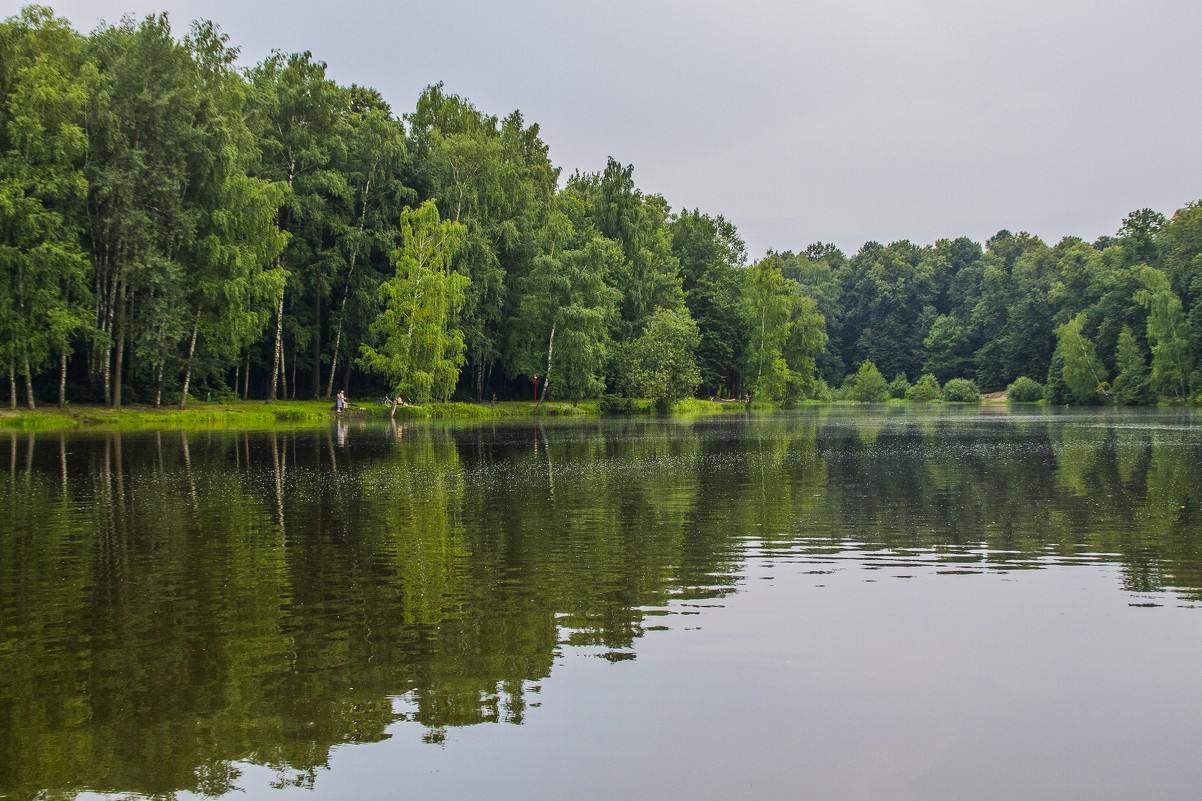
(763, 338)
(97, 319)
(62, 378)
(275, 356)
(28, 385)
(12, 385)
(283, 374)
(119, 361)
(316, 339)
(183, 398)
(334, 360)
(350, 273)
(338, 329)
(109, 318)
(547, 377)
(246, 378)
(105, 374)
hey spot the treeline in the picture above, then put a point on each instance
(1118, 319)
(171, 224)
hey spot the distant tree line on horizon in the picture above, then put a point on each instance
(171, 224)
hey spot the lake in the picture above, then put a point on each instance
(830, 603)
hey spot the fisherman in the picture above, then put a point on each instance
(398, 401)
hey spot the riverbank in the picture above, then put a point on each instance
(250, 414)
(301, 414)
(316, 414)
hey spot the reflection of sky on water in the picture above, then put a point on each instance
(848, 682)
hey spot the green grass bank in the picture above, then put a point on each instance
(306, 414)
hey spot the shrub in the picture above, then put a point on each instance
(1025, 390)
(925, 389)
(615, 404)
(961, 390)
(899, 386)
(870, 386)
(660, 364)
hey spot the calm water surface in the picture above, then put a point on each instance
(826, 604)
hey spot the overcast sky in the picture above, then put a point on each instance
(841, 121)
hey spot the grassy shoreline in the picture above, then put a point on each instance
(252, 415)
(300, 414)
(234, 415)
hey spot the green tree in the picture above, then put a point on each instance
(889, 306)
(817, 273)
(660, 364)
(1080, 270)
(1168, 334)
(140, 121)
(1131, 385)
(946, 349)
(366, 223)
(899, 386)
(300, 118)
(1180, 241)
(711, 257)
(420, 350)
(179, 237)
(1056, 390)
(495, 178)
(1011, 316)
(232, 272)
(1082, 372)
(925, 389)
(804, 345)
(1139, 236)
(1116, 308)
(566, 315)
(869, 386)
(961, 390)
(1024, 390)
(767, 306)
(648, 275)
(44, 294)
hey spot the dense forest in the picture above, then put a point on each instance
(174, 225)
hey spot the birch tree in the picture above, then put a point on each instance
(418, 346)
(1168, 334)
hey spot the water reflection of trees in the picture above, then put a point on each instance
(1118, 489)
(172, 605)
